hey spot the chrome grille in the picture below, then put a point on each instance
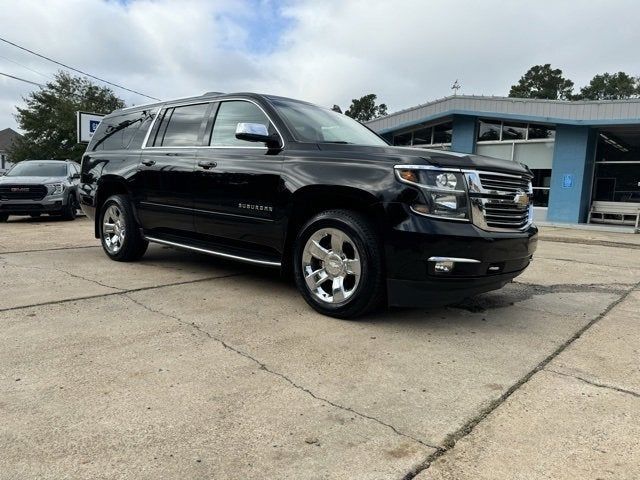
(22, 192)
(511, 183)
(499, 201)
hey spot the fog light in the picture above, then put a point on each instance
(444, 267)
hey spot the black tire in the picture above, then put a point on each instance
(133, 246)
(4, 217)
(35, 215)
(69, 211)
(369, 292)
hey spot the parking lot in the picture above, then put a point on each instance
(187, 366)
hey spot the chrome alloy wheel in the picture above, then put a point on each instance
(113, 229)
(331, 265)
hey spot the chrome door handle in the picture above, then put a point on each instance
(206, 164)
(148, 163)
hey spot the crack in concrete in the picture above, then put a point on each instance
(60, 270)
(602, 243)
(582, 262)
(266, 368)
(15, 252)
(577, 287)
(119, 292)
(469, 426)
(595, 384)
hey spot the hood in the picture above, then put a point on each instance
(31, 180)
(423, 156)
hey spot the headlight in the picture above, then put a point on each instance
(444, 191)
(55, 188)
(447, 180)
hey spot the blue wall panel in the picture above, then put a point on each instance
(465, 133)
(572, 174)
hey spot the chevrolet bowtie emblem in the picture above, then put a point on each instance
(521, 199)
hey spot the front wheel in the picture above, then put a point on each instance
(69, 211)
(119, 232)
(338, 264)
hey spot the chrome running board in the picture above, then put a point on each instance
(215, 253)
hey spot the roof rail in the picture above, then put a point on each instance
(213, 93)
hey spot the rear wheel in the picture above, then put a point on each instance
(338, 264)
(119, 231)
(4, 217)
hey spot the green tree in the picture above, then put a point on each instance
(610, 87)
(49, 117)
(542, 81)
(364, 108)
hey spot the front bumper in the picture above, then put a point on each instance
(49, 204)
(412, 280)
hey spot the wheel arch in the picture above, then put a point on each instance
(311, 200)
(107, 186)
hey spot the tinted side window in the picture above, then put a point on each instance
(181, 126)
(229, 115)
(115, 133)
(138, 137)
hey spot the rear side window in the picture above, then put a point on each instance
(116, 133)
(141, 133)
(229, 115)
(181, 126)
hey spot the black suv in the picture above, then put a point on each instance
(287, 184)
(34, 187)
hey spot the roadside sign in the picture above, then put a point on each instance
(87, 123)
(567, 180)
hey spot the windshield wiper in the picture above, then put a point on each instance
(341, 142)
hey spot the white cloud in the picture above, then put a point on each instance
(405, 51)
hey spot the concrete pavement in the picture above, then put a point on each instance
(185, 366)
(578, 417)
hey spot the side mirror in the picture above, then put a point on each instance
(256, 132)
(75, 176)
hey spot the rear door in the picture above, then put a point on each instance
(165, 177)
(238, 184)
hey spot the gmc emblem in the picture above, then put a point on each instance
(19, 189)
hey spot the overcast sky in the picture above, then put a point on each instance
(324, 51)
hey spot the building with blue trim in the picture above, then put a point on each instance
(580, 152)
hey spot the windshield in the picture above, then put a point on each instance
(38, 169)
(321, 125)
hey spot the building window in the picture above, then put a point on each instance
(403, 139)
(423, 136)
(489, 131)
(496, 150)
(541, 185)
(437, 135)
(540, 132)
(514, 131)
(499, 131)
(442, 133)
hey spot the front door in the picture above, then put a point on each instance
(166, 170)
(238, 185)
